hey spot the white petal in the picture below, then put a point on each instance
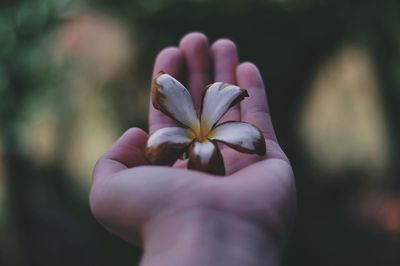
(240, 136)
(205, 156)
(173, 99)
(177, 135)
(204, 151)
(218, 98)
(167, 144)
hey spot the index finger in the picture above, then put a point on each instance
(171, 61)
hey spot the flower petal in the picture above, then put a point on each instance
(217, 99)
(173, 99)
(240, 136)
(167, 144)
(206, 157)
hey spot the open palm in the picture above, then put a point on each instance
(141, 203)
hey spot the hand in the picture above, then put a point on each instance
(184, 217)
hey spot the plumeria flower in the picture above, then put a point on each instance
(198, 137)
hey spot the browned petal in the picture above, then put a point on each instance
(157, 98)
(167, 144)
(206, 157)
(240, 136)
(165, 154)
(217, 99)
(169, 96)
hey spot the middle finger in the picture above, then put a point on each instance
(196, 51)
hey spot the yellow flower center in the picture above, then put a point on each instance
(201, 133)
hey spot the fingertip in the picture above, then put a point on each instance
(225, 46)
(169, 60)
(248, 74)
(247, 68)
(170, 51)
(193, 42)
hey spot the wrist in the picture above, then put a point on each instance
(207, 237)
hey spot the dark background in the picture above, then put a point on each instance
(75, 74)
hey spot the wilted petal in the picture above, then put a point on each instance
(240, 136)
(217, 99)
(206, 157)
(173, 99)
(166, 145)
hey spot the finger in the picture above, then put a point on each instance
(254, 109)
(196, 51)
(225, 58)
(126, 152)
(171, 61)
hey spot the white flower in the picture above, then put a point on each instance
(199, 136)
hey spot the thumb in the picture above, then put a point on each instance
(126, 152)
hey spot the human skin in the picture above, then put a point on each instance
(185, 217)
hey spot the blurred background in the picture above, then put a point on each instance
(75, 74)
